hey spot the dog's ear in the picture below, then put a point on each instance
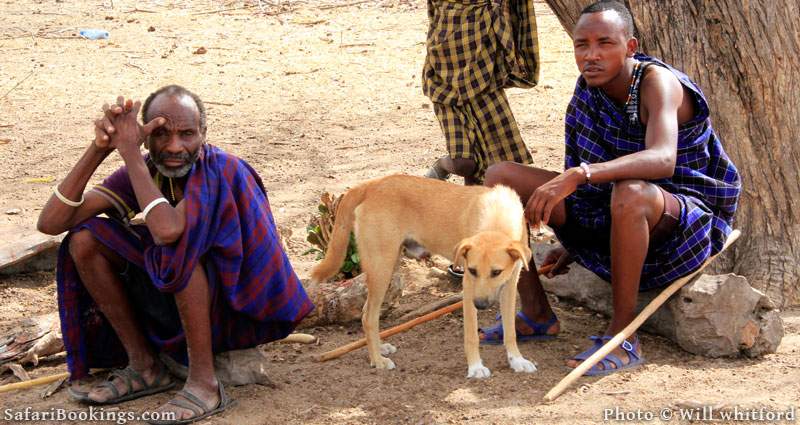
(460, 257)
(520, 251)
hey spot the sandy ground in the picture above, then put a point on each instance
(318, 98)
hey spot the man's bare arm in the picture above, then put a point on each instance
(661, 95)
(166, 223)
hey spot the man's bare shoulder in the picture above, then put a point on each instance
(662, 90)
(658, 81)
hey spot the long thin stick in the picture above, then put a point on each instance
(334, 6)
(330, 355)
(17, 85)
(633, 326)
(33, 382)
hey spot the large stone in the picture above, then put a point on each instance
(233, 368)
(714, 316)
(723, 315)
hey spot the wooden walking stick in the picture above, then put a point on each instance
(633, 326)
(333, 354)
(33, 382)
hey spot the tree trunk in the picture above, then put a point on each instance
(745, 55)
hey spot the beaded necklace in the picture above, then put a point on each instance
(158, 180)
(632, 103)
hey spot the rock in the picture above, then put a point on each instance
(342, 302)
(233, 368)
(723, 315)
(714, 315)
(13, 211)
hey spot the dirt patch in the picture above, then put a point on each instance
(318, 99)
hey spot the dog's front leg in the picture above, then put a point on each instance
(508, 309)
(475, 369)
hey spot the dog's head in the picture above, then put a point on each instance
(489, 260)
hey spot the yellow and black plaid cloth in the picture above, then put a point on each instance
(475, 49)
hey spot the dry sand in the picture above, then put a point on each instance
(318, 98)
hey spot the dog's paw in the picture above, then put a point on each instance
(383, 363)
(478, 371)
(387, 349)
(520, 364)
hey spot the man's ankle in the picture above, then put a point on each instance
(207, 383)
(142, 363)
(538, 315)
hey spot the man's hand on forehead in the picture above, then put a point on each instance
(119, 128)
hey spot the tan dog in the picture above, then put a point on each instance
(478, 227)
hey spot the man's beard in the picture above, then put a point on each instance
(175, 173)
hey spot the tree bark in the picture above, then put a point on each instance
(745, 55)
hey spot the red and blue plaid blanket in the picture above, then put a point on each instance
(256, 295)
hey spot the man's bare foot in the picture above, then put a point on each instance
(524, 329)
(154, 376)
(208, 394)
(621, 353)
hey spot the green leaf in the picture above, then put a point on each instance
(314, 239)
(347, 267)
(323, 209)
(312, 250)
(354, 258)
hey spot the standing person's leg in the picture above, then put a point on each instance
(98, 268)
(458, 135)
(491, 132)
(194, 306)
(637, 207)
(444, 166)
(534, 304)
(499, 138)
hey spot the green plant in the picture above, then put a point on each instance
(319, 231)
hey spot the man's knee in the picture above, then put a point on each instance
(499, 173)
(632, 197)
(83, 245)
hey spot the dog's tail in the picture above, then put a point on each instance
(337, 246)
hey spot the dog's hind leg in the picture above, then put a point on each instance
(508, 307)
(378, 259)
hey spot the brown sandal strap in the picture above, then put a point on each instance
(196, 400)
(182, 403)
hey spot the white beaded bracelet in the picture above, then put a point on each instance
(586, 173)
(152, 205)
(65, 200)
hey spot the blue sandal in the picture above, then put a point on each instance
(611, 363)
(494, 335)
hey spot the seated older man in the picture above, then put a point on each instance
(204, 274)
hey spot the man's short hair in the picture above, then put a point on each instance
(175, 90)
(616, 6)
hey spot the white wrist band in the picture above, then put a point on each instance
(586, 173)
(65, 200)
(152, 205)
